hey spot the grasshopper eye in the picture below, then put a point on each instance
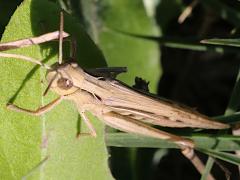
(64, 83)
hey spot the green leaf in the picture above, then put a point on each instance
(26, 140)
(230, 119)
(223, 42)
(139, 56)
(231, 158)
(216, 142)
(208, 168)
(180, 43)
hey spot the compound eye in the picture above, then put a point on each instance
(64, 83)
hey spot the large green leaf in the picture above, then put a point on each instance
(25, 140)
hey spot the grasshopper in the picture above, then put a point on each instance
(113, 102)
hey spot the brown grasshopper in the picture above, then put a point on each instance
(114, 103)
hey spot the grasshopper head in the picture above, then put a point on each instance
(61, 79)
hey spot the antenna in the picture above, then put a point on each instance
(60, 38)
(21, 57)
(50, 83)
(59, 51)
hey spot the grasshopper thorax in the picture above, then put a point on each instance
(61, 78)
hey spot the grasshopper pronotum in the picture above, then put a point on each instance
(112, 102)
